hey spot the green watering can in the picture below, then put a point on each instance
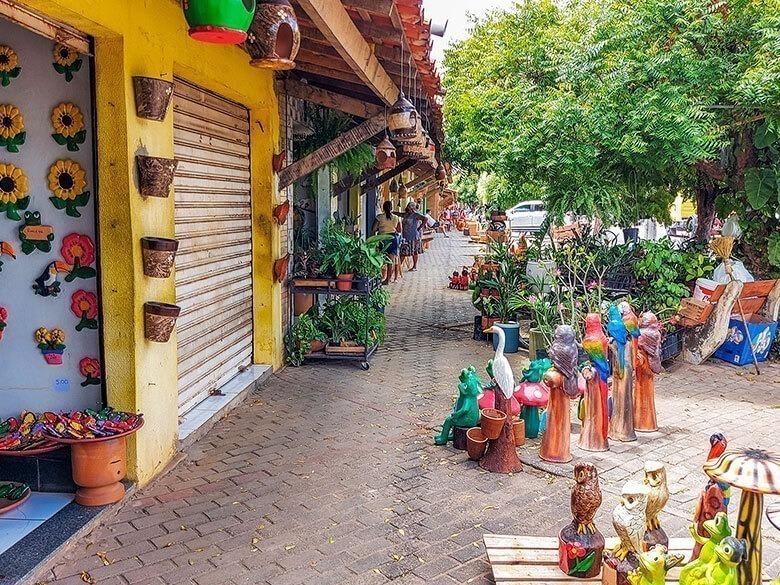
(223, 22)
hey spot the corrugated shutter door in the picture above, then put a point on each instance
(214, 229)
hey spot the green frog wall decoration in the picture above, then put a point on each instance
(466, 410)
(33, 235)
(653, 566)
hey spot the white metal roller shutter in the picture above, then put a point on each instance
(214, 229)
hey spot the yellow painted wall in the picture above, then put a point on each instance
(149, 38)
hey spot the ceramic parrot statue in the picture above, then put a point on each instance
(596, 346)
(631, 321)
(563, 353)
(617, 331)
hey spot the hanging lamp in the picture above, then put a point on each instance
(274, 37)
(385, 154)
(403, 119)
(223, 22)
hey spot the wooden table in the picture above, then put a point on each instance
(516, 560)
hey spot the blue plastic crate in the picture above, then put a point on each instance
(736, 349)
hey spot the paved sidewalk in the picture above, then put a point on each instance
(329, 475)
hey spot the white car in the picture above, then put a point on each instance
(527, 216)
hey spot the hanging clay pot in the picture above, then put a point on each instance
(158, 256)
(155, 175)
(385, 155)
(159, 321)
(280, 212)
(274, 37)
(223, 22)
(280, 268)
(152, 97)
(277, 161)
(492, 422)
(402, 119)
(441, 172)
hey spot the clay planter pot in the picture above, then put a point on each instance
(302, 302)
(53, 357)
(152, 97)
(223, 22)
(344, 282)
(159, 321)
(518, 429)
(476, 443)
(274, 37)
(158, 256)
(491, 422)
(155, 175)
(99, 466)
(317, 346)
(280, 268)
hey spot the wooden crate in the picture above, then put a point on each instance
(694, 312)
(516, 560)
(345, 350)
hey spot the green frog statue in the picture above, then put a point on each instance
(653, 566)
(720, 555)
(466, 411)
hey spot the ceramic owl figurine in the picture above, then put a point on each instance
(655, 480)
(580, 544)
(630, 519)
(653, 566)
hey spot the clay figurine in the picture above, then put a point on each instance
(563, 384)
(466, 411)
(501, 455)
(653, 566)
(714, 498)
(630, 522)
(716, 530)
(655, 480)
(595, 420)
(533, 394)
(720, 566)
(648, 364)
(631, 322)
(563, 354)
(621, 424)
(580, 544)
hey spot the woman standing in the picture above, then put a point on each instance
(389, 224)
(412, 224)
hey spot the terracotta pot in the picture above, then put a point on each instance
(476, 443)
(159, 321)
(280, 212)
(152, 97)
(158, 256)
(487, 322)
(344, 282)
(53, 357)
(280, 268)
(274, 36)
(302, 302)
(492, 421)
(317, 345)
(155, 175)
(518, 429)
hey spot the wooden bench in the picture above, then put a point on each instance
(707, 322)
(516, 560)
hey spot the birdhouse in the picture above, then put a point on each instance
(393, 186)
(402, 119)
(441, 172)
(385, 155)
(274, 37)
(223, 22)
(402, 192)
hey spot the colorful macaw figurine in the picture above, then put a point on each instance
(617, 331)
(596, 346)
(653, 566)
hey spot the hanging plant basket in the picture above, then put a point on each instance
(152, 97)
(223, 22)
(274, 37)
(158, 256)
(159, 321)
(155, 175)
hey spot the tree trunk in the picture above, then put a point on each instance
(706, 193)
(501, 455)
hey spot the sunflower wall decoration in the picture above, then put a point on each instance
(67, 180)
(12, 134)
(66, 61)
(68, 125)
(9, 65)
(13, 191)
(78, 251)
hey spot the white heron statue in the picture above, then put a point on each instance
(502, 371)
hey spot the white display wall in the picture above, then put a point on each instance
(36, 82)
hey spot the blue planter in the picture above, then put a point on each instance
(512, 334)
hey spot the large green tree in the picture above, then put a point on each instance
(613, 107)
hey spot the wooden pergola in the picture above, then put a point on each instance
(356, 56)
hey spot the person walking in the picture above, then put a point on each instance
(412, 227)
(389, 224)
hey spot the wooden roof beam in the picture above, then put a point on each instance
(336, 147)
(333, 21)
(383, 7)
(403, 165)
(329, 99)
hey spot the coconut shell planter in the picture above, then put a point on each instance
(155, 175)
(152, 97)
(158, 256)
(274, 37)
(159, 321)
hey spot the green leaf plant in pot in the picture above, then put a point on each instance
(507, 288)
(303, 337)
(341, 252)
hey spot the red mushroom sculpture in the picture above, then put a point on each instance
(532, 396)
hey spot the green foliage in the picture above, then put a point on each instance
(298, 339)
(345, 252)
(349, 319)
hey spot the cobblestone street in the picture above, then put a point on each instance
(329, 474)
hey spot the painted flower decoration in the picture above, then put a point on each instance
(66, 61)
(68, 123)
(90, 369)
(85, 306)
(12, 133)
(54, 339)
(78, 251)
(13, 189)
(574, 550)
(67, 180)
(9, 65)
(3, 317)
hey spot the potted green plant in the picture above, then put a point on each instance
(371, 258)
(302, 338)
(341, 254)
